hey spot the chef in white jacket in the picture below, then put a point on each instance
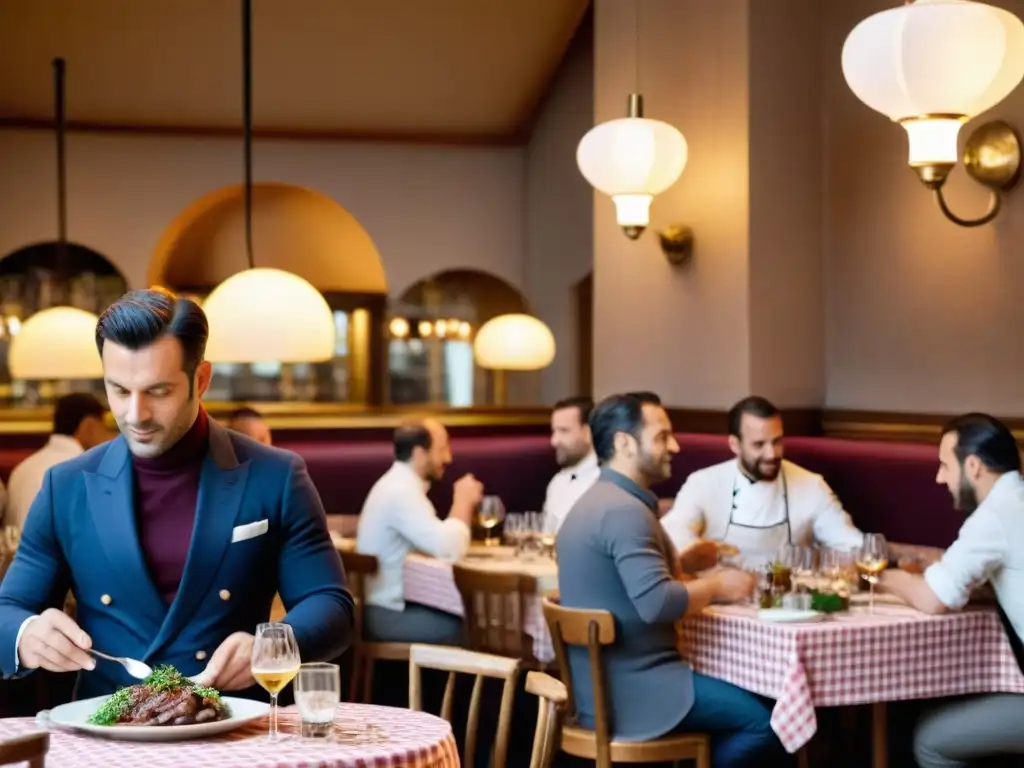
(758, 502)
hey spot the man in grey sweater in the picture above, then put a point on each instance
(613, 555)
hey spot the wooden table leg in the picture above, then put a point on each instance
(879, 735)
(802, 758)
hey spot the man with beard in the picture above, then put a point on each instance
(979, 462)
(614, 556)
(398, 518)
(574, 452)
(759, 501)
(176, 535)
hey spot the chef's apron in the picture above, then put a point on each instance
(759, 544)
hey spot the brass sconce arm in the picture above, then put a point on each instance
(992, 158)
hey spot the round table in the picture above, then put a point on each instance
(367, 736)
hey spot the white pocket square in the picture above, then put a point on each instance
(249, 531)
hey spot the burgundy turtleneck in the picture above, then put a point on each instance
(166, 494)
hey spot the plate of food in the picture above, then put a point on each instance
(166, 706)
(789, 615)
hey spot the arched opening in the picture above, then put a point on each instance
(430, 353)
(304, 232)
(37, 277)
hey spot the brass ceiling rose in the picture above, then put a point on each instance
(992, 155)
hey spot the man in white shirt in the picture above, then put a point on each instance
(979, 462)
(77, 427)
(758, 502)
(398, 518)
(574, 452)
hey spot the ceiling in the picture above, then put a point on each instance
(473, 70)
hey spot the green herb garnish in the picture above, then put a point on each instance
(163, 678)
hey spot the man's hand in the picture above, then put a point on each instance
(699, 555)
(467, 493)
(733, 585)
(230, 667)
(53, 641)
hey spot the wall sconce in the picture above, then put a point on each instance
(632, 159)
(932, 65)
(677, 244)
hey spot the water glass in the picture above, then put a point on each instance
(317, 694)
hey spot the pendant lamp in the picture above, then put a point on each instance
(261, 314)
(514, 342)
(59, 342)
(932, 65)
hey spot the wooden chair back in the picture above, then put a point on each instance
(30, 748)
(481, 665)
(10, 536)
(552, 698)
(357, 568)
(494, 605)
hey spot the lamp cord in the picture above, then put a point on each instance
(247, 124)
(636, 48)
(60, 120)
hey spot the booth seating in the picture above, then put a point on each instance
(887, 487)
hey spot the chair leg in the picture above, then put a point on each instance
(357, 675)
(368, 672)
(703, 759)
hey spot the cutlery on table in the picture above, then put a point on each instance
(135, 668)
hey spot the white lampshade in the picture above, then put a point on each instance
(632, 159)
(268, 315)
(937, 63)
(57, 343)
(514, 343)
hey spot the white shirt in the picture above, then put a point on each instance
(704, 506)
(27, 478)
(989, 547)
(398, 518)
(567, 486)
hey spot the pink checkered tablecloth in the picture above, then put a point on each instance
(429, 581)
(855, 658)
(367, 736)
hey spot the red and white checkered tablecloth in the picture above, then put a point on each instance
(855, 658)
(429, 581)
(367, 736)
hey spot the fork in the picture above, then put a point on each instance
(135, 668)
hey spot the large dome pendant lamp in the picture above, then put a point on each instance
(262, 314)
(632, 159)
(932, 65)
(58, 343)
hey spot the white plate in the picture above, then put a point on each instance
(788, 615)
(76, 716)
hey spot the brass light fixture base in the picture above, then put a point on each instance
(991, 158)
(677, 244)
(633, 232)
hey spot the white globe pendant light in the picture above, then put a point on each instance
(58, 343)
(632, 159)
(514, 342)
(261, 314)
(932, 65)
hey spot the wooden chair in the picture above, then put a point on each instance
(552, 699)
(358, 567)
(30, 748)
(593, 630)
(494, 605)
(481, 666)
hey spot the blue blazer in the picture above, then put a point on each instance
(81, 535)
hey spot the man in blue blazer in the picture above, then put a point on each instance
(175, 536)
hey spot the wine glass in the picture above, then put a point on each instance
(275, 661)
(548, 533)
(872, 559)
(488, 515)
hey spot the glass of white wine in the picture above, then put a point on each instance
(275, 662)
(490, 513)
(872, 559)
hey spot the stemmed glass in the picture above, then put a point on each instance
(490, 513)
(872, 559)
(275, 661)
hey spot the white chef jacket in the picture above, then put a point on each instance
(398, 518)
(27, 477)
(989, 547)
(567, 486)
(706, 499)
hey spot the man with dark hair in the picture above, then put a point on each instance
(77, 427)
(250, 423)
(645, 396)
(613, 555)
(176, 535)
(398, 518)
(979, 462)
(758, 502)
(574, 452)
